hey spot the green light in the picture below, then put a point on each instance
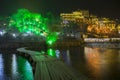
(51, 52)
(50, 42)
(26, 21)
(51, 38)
(24, 68)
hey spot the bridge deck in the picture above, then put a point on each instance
(50, 68)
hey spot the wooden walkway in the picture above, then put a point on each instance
(50, 68)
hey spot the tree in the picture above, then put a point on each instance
(27, 22)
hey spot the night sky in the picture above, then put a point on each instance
(101, 8)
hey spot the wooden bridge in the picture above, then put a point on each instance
(50, 68)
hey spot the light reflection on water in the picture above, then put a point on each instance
(95, 63)
(13, 67)
(1, 66)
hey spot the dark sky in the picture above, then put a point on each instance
(103, 8)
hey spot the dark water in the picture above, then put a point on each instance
(95, 63)
(13, 67)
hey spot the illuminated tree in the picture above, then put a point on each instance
(26, 22)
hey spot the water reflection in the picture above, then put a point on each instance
(102, 64)
(67, 57)
(24, 68)
(13, 67)
(51, 52)
(95, 63)
(57, 54)
(64, 55)
(1, 67)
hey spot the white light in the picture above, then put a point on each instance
(25, 34)
(65, 22)
(1, 65)
(14, 64)
(14, 35)
(4, 24)
(1, 33)
(68, 35)
(29, 33)
(57, 53)
(72, 35)
(37, 19)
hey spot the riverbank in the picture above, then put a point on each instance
(103, 45)
(40, 45)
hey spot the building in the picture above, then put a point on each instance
(80, 14)
(102, 26)
(77, 20)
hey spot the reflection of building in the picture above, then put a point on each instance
(93, 60)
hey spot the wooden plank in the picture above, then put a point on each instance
(49, 68)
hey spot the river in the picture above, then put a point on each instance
(95, 63)
(13, 67)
